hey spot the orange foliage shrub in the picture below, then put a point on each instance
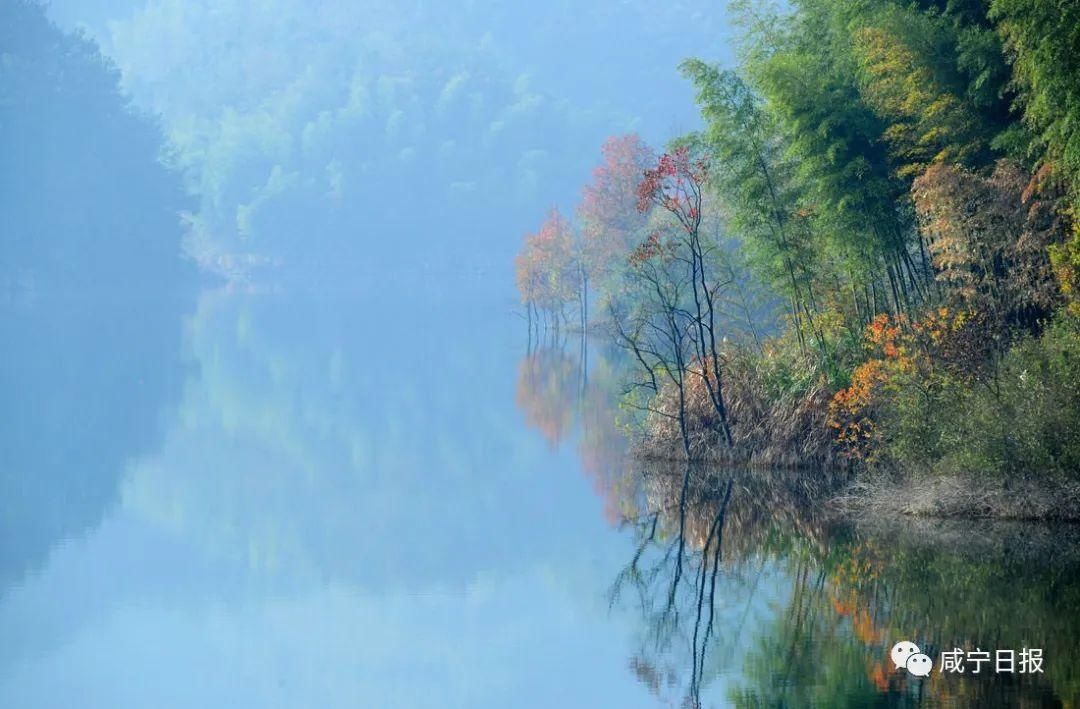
(944, 343)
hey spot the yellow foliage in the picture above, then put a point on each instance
(927, 124)
(1065, 260)
(899, 349)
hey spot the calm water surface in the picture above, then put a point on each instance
(271, 499)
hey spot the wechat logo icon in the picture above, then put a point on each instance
(906, 654)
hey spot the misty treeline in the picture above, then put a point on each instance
(92, 286)
(86, 199)
(868, 252)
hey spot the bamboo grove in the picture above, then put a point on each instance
(868, 167)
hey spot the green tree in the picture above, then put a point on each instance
(755, 179)
(1042, 41)
(807, 71)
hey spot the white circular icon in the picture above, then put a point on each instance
(919, 665)
(902, 651)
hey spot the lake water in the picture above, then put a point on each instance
(257, 498)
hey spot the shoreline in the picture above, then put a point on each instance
(1033, 499)
(869, 492)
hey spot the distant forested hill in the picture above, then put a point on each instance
(92, 286)
(84, 198)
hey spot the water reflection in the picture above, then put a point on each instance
(549, 389)
(800, 608)
(92, 289)
(751, 590)
(331, 516)
(84, 381)
(311, 449)
(570, 388)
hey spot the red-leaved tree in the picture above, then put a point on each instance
(548, 275)
(611, 223)
(676, 185)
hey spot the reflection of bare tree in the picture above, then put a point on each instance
(688, 554)
(714, 545)
(695, 527)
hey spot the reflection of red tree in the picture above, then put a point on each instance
(847, 588)
(602, 450)
(547, 392)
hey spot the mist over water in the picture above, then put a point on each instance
(261, 355)
(275, 432)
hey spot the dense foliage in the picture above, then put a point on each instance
(904, 177)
